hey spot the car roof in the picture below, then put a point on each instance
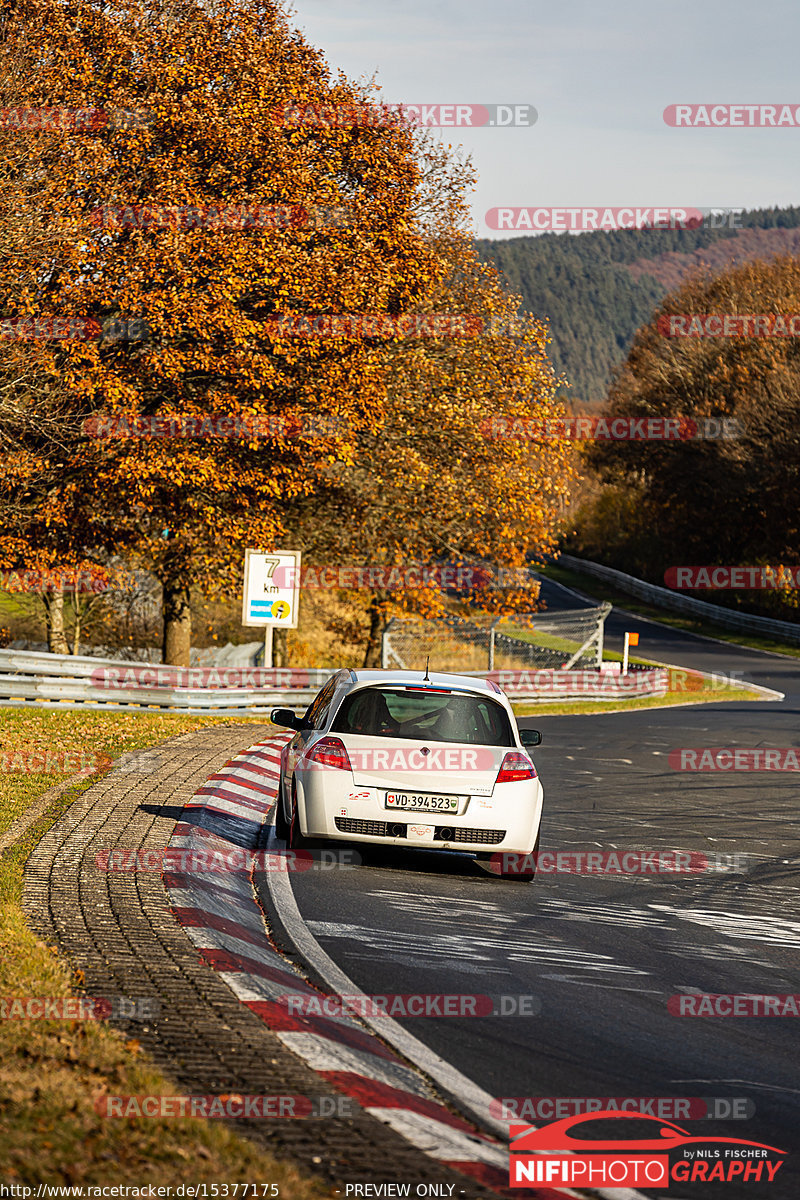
(435, 679)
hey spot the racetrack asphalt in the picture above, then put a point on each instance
(603, 954)
(600, 955)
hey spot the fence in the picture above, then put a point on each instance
(558, 639)
(787, 631)
(39, 680)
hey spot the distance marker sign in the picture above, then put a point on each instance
(271, 588)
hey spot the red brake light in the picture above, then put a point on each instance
(515, 767)
(328, 752)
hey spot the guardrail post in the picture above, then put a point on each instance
(601, 632)
(491, 643)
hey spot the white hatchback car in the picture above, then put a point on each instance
(395, 757)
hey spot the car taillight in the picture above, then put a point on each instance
(516, 766)
(328, 752)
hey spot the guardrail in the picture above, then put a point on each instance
(664, 598)
(29, 679)
(545, 685)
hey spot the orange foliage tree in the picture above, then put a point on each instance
(434, 483)
(718, 499)
(138, 234)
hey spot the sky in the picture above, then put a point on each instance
(599, 77)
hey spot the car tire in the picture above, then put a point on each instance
(282, 826)
(515, 876)
(295, 839)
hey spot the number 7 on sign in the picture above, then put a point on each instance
(270, 564)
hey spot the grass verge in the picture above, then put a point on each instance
(614, 704)
(51, 1072)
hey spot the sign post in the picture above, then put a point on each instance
(631, 639)
(271, 594)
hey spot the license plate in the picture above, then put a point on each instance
(421, 802)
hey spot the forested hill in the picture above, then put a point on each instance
(598, 288)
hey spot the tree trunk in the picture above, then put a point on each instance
(77, 625)
(177, 643)
(377, 624)
(280, 649)
(54, 619)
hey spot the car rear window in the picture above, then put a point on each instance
(427, 716)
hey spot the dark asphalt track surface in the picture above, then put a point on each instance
(603, 954)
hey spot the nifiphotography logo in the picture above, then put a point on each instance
(579, 1151)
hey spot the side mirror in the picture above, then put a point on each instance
(530, 737)
(285, 716)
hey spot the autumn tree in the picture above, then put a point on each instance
(698, 500)
(403, 462)
(34, 400)
(211, 84)
(434, 482)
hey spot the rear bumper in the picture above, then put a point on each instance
(332, 806)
